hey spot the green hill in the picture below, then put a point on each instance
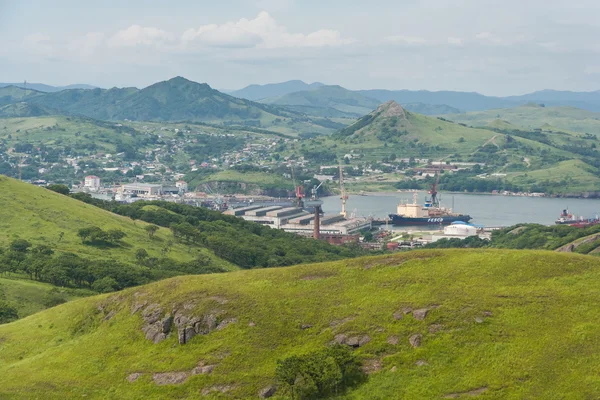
(177, 99)
(40, 215)
(335, 97)
(14, 94)
(534, 116)
(423, 325)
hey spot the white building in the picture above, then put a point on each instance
(182, 185)
(92, 182)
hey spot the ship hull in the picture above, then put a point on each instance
(399, 220)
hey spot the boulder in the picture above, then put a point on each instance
(225, 323)
(393, 340)
(420, 314)
(267, 392)
(415, 340)
(134, 377)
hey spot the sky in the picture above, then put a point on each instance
(500, 48)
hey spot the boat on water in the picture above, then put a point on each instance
(567, 218)
(429, 213)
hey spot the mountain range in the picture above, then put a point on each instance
(462, 101)
(41, 87)
(177, 99)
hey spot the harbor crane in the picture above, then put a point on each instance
(315, 189)
(435, 202)
(298, 189)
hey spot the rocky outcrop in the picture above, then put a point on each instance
(158, 324)
(170, 378)
(352, 341)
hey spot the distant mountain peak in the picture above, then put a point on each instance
(391, 109)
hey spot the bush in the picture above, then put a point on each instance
(54, 298)
(319, 374)
(105, 285)
(7, 313)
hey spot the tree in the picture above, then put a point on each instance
(20, 245)
(61, 189)
(60, 236)
(141, 255)
(115, 235)
(85, 233)
(7, 313)
(151, 230)
(105, 285)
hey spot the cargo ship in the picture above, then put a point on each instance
(430, 213)
(566, 218)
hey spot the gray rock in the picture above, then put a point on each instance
(110, 315)
(340, 338)
(166, 324)
(251, 324)
(170, 378)
(415, 340)
(189, 333)
(159, 337)
(393, 340)
(181, 336)
(406, 310)
(267, 392)
(207, 324)
(134, 377)
(398, 315)
(421, 363)
(207, 369)
(364, 340)
(152, 313)
(225, 323)
(305, 326)
(420, 314)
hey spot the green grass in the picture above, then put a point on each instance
(29, 297)
(579, 175)
(531, 116)
(60, 130)
(523, 324)
(39, 215)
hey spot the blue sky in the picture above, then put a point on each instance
(493, 47)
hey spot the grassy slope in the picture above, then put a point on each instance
(584, 177)
(29, 297)
(522, 324)
(62, 131)
(39, 215)
(528, 116)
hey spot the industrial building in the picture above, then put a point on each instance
(148, 189)
(333, 228)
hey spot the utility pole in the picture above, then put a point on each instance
(344, 195)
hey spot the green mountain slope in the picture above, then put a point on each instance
(40, 215)
(424, 325)
(335, 97)
(533, 116)
(13, 94)
(177, 99)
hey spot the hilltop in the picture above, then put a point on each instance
(422, 325)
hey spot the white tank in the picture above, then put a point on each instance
(463, 230)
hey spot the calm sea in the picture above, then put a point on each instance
(487, 210)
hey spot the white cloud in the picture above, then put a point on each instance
(455, 41)
(38, 43)
(406, 40)
(137, 35)
(262, 31)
